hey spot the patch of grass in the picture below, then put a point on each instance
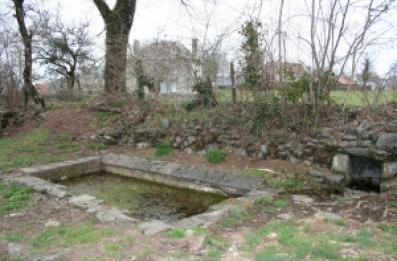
(266, 201)
(201, 231)
(215, 156)
(271, 254)
(69, 236)
(96, 146)
(389, 247)
(24, 150)
(356, 99)
(44, 239)
(82, 234)
(14, 197)
(65, 138)
(291, 184)
(68, 147)
(270, 206)
(234, 217)
(177, 255)
(145, 254)
(339, 222)
(388, 229)
(14, 237)
(392, 203)
(295, 242)
(216, 245)
(254, 173)
(363, 238)
(177, 233)
(102, 118)
(112, 248)
(163, 149)
(280, 203)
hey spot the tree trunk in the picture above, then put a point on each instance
(118, 26)
(71, 80)
(116, 60)
(232, 79)
(28, 89)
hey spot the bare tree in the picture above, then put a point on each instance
(10, 59)
(27, 38)
(118, 22)
(64, 47)
(335, 40)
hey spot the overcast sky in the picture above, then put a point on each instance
(167, 19)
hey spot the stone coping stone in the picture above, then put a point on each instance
(65, 170)
(231, 183)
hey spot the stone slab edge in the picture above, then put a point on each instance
(66, 169)
(230, 183)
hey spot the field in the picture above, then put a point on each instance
(350, 99)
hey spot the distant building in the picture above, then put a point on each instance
(172, 67)
(346, 81)
(289, 69)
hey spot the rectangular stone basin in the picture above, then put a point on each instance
(124, 189)
(141, 199)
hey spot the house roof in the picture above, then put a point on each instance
(165, 48)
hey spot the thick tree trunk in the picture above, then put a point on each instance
(118, 23)
(116, 59)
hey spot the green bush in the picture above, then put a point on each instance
(215, 156)
(297, 88)
(188, 105)
(163, 149)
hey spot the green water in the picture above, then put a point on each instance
(144, 200)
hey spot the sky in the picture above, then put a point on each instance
(169, 20)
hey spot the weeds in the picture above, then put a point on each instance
(69, 236)
(234, 217)
(14, 237)
(14, 197)
(95, 146)
(216, 245)
(176, 233)
(254, 173)
(388, 229)
(163, 149)
(215, 156)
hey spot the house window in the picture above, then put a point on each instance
(171, 87)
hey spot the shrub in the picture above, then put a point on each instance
(163, 149)
(188, 105)
(297, 88)
(215, 156)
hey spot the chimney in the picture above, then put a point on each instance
(137, 47)
(195, 48)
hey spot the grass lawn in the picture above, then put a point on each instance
(37, 146)
(361, 99)
(352, 99)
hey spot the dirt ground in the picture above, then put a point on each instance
(354, 212)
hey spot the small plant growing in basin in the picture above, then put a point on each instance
(163, 149)
(215, 156)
